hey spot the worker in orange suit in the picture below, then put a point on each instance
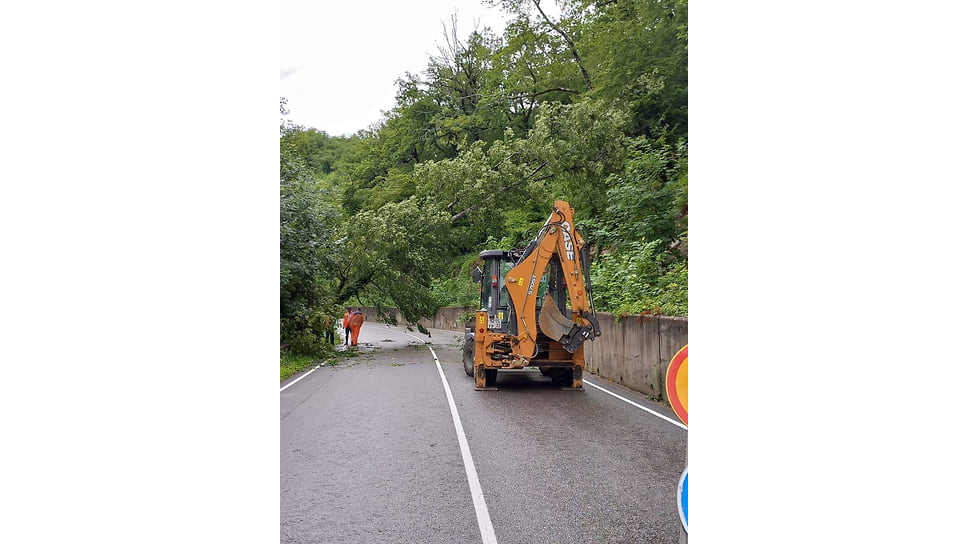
(356, 321)
(346, 325)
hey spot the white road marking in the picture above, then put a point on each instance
(477, 494)
(292, 383)
(585, 380)
(480, 507)
(299, 378)
(656, 414)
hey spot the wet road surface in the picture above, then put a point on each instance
(369, 453)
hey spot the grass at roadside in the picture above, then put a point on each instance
(289, 364)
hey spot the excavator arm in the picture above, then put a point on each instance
(556, 239)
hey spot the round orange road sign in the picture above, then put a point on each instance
(677, 384)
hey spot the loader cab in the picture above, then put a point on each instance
(494, 294)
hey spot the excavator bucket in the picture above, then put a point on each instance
(552, 323)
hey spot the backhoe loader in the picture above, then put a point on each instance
(525, 317)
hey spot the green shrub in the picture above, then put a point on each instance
(305, 334)
(640, 280)
(290, 364)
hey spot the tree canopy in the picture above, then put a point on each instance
(590, 107)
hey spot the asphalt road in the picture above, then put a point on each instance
(370, 453)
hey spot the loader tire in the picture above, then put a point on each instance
(469, 358)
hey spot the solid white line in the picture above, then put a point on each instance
(423, 340)
(656, 414)
(477, 494)
(290, 384)
(299, 378)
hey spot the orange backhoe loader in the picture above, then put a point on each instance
(526, 319)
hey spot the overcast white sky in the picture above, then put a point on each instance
(340, 60)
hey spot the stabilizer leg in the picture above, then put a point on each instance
(484, 378)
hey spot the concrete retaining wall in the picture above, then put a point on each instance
(636, 351)
(633, 351)
(445, 318)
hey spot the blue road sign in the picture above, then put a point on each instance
(683, 502)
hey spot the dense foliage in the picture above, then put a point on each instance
(589, 107)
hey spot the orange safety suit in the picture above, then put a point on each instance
(356, 321)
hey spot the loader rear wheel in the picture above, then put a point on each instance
(469, 358)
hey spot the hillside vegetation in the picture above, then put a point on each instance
(589, 107)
